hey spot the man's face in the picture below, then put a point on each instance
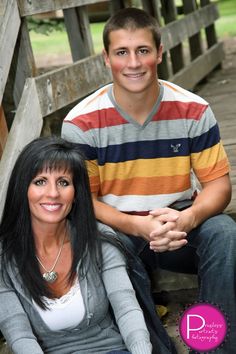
(133, 59)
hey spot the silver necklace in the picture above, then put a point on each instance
(50, 276)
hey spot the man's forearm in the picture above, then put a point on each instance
(113, 217)
(212, 200)
(135, 225)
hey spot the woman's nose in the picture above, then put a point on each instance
(52, 190)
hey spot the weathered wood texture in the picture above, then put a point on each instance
(36, 99)
(190, 75)
(9, 27)
(31, 7)
(58, 88)
(26, 126)
(3, 131)
(61, 87)
(77, 25)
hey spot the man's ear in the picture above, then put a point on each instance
(106, 58)
(159, 54)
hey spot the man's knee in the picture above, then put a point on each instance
(217, 236)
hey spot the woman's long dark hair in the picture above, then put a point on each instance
(16, 233)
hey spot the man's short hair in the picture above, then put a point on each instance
(131, 18)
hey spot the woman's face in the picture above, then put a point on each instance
(50, 196)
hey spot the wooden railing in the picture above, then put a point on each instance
(189, 56)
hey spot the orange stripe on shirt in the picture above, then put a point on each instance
(220, 169)
(146, 186)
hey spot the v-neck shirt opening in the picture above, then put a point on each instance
(129, 118)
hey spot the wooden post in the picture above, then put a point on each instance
(79, 35)
(116, 5)
(23, 65)
(26, 126)
(195, 43)
(210, 30)
(9, 27)
(153, 8)
(169, 12)
(3, 131)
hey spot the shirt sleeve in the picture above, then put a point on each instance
(127, 311)
(85, 141)
(208, 156)
(14, 323)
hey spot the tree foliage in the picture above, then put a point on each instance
(45, 26)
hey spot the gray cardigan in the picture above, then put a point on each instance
(27, 333)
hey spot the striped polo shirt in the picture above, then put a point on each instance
(136, 168)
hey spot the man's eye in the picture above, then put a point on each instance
(121, 52)
(143, 51)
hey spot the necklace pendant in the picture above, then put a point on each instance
(50, 277)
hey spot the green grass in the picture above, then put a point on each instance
(96, 30)
(226, 24)
(57, 42)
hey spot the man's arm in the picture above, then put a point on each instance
(212, 200)
(136, 225)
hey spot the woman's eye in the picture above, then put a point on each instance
(39, 182)
(63, 183)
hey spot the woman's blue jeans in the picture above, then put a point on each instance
(211, 253)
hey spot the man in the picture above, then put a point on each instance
(145, 140)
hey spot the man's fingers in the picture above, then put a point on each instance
(166, 232)
(171, 246)
(165, 212)
(167, 217)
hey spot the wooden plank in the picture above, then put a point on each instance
(80, 79)
(3, 131)
(26, 126)
(31, 7)
(85, 29)
(22, 67)
(78, 30)
(153, 7)
(164, 67)
(195, 41)
(169, 12)
(175, 32)
(200, 67)
(116, 5)
(63, 86)
(9, 27)
(210, 30)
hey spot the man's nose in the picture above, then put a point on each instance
(134, 60)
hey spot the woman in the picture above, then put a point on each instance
(58, 279)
